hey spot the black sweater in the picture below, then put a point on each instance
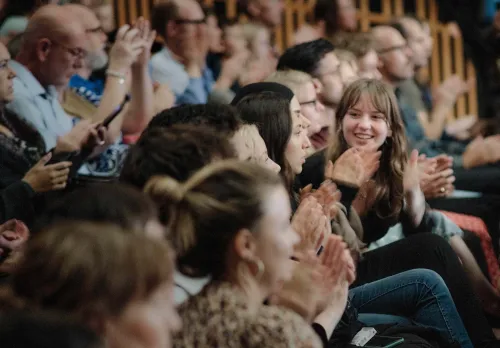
(374, 226)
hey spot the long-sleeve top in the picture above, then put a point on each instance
(374, 226)
(187, 90)
(17, 198)
(418, 140)
(219, 316)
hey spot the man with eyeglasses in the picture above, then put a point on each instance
(96, 98)
(432, 111)
(318, 59)
(51, 52)
(469, 160)
(181, 64)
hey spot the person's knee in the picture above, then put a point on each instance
(429, 277)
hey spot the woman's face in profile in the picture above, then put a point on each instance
(296, 149)
(275, 238)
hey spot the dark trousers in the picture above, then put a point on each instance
(432, 252)
(485, 179)
(486, 207)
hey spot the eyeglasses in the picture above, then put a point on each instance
(393, 48)
(76, 52)
(191, 21)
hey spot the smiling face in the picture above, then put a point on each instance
(364, 126)
(296, 149)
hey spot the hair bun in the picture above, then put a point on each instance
(167, 187)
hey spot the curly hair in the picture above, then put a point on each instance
(389, 178)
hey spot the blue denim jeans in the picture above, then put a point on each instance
(419, 295)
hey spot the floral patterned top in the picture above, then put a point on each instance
(218, 316)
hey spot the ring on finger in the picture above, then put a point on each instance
(442, 190)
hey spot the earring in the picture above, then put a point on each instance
(260, 268)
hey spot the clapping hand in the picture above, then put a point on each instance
(411, 176)
(436, 176)
(312, 225)
(354, 167)
(146, 36)
(336, 274)
(327, 196)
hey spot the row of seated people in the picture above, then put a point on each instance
(236, 230)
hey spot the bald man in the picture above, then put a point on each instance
(52, 50)
(469, 161)
(394, 54)
(109, 92)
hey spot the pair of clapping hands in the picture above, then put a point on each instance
(321, 282)
(436, 176)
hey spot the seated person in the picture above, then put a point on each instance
(181, 63)
(94, 98)
(126, 294)
(330, 17)
(470, 160)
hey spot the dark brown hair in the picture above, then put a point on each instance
(90, 270)
(162, 14)
(177, 151)
(270, 112)
(357, 43)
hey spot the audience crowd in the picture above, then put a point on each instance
(177, 182)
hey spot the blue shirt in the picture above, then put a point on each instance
(39, 106)
(110, 162)
(417, 139)
(490, 8)
(187, 90)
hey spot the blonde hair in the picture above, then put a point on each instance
(389, 177)
(358, 44)
(345, 56)
(293, 79)
(206, 212)
(89, 270)
(246, 132)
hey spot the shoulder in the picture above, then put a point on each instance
(14, 24)
(163, 60)
(313, 170)
(280, 327)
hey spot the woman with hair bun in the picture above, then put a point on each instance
(231, 221)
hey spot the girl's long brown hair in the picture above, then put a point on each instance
(389, 177)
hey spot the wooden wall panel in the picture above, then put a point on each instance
(447, 57)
